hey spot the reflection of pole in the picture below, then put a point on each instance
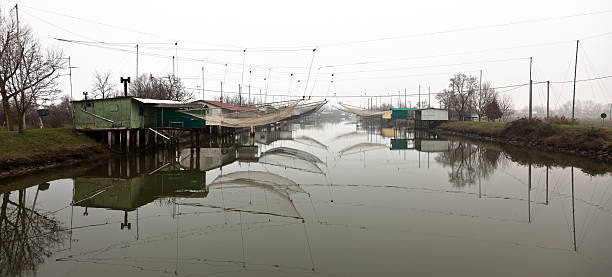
(573, 212)
(71, 216)
(529, 194)
(177, 237)
(546, 185)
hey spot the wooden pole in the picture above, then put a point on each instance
(530, 88)
(547, 100)
(574, 94)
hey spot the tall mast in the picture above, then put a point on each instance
(574, 94)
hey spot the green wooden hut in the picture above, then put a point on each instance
(132, 113)
(402, 113)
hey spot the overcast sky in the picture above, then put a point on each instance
(371, 47)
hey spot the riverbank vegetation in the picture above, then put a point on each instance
(37, 149)
(589, 141)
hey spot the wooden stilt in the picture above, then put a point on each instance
(127, 141)
(110, 140)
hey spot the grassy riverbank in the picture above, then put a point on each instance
(595, 142)
(40, 149)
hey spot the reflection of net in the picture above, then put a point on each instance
(361, 147)
(294, 152)
(291, 158)
(276, 189)
(358, 111)
(310, 142)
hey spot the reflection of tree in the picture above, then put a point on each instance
(27, 237)
(469, 163)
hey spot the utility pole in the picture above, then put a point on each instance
(70, 75)
(405, 99)
(429, 93)
(268, 82)
(419, 96)
(574, 94)
(242, 76)
(176, 54)
(399, 99)
(239, 95)
(221, 98)
(136, 60)
(203, 83)
(173, 72)
(530, 88)
(547, 100)
(480, 106)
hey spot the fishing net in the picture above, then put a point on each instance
(358, 111)
(262, 115)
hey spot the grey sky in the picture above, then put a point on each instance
(385, 66)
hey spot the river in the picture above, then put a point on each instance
(342, 198)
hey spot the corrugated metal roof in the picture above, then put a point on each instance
(156, 101)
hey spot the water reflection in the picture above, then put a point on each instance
(338, 200)
(469, 164)
(27, 235)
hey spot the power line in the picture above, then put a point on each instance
(513, 87)
(490, 26)
(126, 29)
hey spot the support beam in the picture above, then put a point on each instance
(127, 141)
(110, 140)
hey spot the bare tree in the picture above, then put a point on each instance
(35, 76)
(486, 94)
(169, 87)
(9, 49)
(102, 86)
(459, 97)
(506, 107)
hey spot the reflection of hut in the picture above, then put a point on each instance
(208, 158)
(247, 153)
(267, 137)
(388, 132)
(402, 144)
(432, 145)
(129, 194)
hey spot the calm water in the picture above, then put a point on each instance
(340, 199)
